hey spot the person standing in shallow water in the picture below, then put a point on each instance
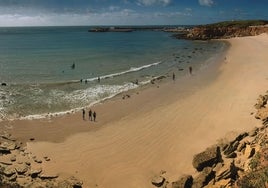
(173, 76)
(190, 70)
(83, 113)
(90, 115)
(94, 116)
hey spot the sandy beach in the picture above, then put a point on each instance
(157, 128)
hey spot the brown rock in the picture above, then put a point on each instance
(47, 176)
(34, 172)
(203, 178)
(73, 182)
(228, 170)
(241, 136)
(253, 132)
(21, 169)
(158, 181)
(47, 158)
(262, 114)
(184, 181)
(231, 155)
(241, 146)
(207, 158)
(224, 183)
(37, 160)
(231, 147)
(249, 152)
(13, 158)
(7, 146)
(9, 171)
(13, 177)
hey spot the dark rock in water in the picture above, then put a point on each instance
(184, 181)
(207, 158)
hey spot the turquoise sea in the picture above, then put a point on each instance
(36, 63)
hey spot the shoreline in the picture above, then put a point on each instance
(70, 95)
(154, 130)
(160, 81)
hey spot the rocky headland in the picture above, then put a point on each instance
(225, 30)
(241, 162)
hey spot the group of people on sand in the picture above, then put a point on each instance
(91, 115)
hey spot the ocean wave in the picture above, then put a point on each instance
(91, 94)
(132, 69)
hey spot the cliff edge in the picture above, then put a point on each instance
(225, 30)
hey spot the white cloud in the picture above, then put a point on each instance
(206, 2)
(153, 2)
(188, 9)
(114, 8)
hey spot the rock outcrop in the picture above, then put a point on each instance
(209, 157)
(20, 168)
(241, 162)
(225, 30)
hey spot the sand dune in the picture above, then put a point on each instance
(159, 128)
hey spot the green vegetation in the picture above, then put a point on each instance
(255, 162)
(258, 175)
(239, 24)
(254, 179)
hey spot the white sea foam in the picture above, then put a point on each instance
(132, 69)
(88, 94)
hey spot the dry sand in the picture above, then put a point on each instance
(157, 129)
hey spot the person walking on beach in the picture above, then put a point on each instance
(83, 112)
(173, 76)
(190, 70)
(90, 115)
(94, 115)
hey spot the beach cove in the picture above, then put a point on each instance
(157, 128)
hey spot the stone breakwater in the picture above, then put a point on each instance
(20, 168)
(241, 162)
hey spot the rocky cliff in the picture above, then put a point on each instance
(225, 30)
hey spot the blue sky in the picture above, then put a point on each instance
(128, 12)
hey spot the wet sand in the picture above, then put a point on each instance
(158, 128)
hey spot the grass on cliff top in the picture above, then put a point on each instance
(240, 24)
